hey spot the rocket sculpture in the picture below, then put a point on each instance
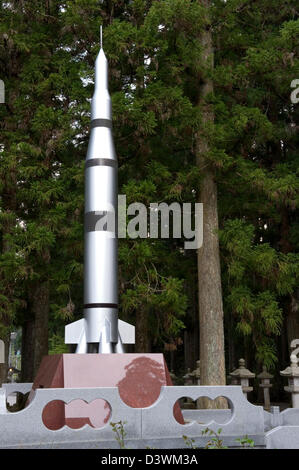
(100, 330)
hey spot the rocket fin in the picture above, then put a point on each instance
(73, 331)
(105, 346)
(126, 332)
(82, 347)
(118, 348)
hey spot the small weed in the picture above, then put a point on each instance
(120, 432)
(189, 442)
(215, 442)
(245, 441)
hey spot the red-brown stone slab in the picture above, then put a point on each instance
(50, 375)
(139, 378)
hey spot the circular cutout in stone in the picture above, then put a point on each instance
(76, 414)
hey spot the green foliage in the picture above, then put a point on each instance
(120, 433)
(189, 442)
(253, 273)
(215, 442)
(245, 441)
(57, 345)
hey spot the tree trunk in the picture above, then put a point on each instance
(212, 358)
(40, 308)
(27, 368)
(4, 366)
(142, 341)
(191, 341)
(210, 292)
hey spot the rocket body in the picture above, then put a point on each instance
(100, 238)
(101, 331)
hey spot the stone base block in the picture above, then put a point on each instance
(139, 378)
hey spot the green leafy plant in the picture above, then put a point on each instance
(120, 433)
(245, 441)
(215, 442)
(189, 442)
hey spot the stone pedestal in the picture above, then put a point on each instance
(196, 373)
(241, 377)
(292, 373)
(265, 384)
(139, 378)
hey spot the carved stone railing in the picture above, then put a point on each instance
(153, 426)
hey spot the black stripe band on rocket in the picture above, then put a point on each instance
(98, 221)
(101, 306)
(101, 162)
(101, 123)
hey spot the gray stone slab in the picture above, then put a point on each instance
(152, 427)
(17, 387)
(12, 399)
(246, 418)
(3, 409)
(26, 426)
(290, 416)
(283, 437)
(161, 443)
(205, 416)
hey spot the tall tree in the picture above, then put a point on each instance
(212, 357)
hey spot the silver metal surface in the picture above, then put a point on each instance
(82, 347)
(105, 344)
(101, 325)
(98, 318)
(101, 102)
(118, 348)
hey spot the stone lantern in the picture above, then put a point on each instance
(292, 372)
(188, 380)
(196, 374)
(265, 378)
(241, 377)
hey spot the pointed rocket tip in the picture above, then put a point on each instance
(101, 55)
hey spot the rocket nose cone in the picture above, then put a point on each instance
(101, 70)
(101, 57)
(101, 102)
(101, 64)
